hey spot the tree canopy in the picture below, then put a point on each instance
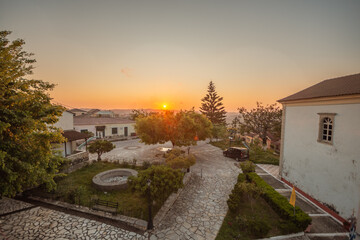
(100, 147)
(262, 119)
(26, 117)
(184, 128)
(212, 106)
(164, 181)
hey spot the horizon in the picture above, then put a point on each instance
(140, 55)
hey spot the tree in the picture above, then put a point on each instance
(26, 119)
(212, 106)
(219, 131)
(100, 147)
(135, 113)
(262, 119)
(164, 181)
(184, 128)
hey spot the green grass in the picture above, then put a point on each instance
(232, 228)
(79, 183)
(257, 155)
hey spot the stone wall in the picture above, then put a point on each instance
(78, 160)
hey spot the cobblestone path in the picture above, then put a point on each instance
(42, 223)
(200, 209)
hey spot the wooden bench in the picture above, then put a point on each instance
(106, 206)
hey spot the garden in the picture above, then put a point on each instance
(256, 210)
(77, 188)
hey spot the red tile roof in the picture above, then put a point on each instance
(81, 120)
(72, 135)
(347, 85)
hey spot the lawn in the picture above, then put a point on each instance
(259, 220)
(77, 188)
(257, 155)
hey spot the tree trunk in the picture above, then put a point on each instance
(99, 157)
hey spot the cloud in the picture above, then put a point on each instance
(127, 72)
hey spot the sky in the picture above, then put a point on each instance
(144, 54)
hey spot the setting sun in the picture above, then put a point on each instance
(164, 106)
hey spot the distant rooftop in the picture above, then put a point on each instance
(347, 85)
(77, 110)
(81, 120)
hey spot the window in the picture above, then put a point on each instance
(326, 127)
(83, 130)
(114, 130)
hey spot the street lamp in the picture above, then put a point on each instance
(150, 222)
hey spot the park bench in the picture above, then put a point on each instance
(106, 206)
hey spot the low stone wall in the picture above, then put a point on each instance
(170, 202)
(78, 160)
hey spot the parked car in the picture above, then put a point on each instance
(238, 153)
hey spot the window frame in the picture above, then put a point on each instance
(322, 117)
(112, 130)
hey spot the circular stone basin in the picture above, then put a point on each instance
(114, 179)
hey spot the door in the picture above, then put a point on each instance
(125, 131)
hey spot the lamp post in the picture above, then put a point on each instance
(150, 222)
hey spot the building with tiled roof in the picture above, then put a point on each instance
(320, 144)
(105, 126)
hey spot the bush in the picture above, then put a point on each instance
(247, 167)
(281, 205)
(253, 225)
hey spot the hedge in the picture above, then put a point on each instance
(280, 203)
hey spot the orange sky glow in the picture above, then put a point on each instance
(152, 53)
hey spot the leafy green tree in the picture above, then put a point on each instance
(100, 147)
(184, 128)
(219, 131)
(26, 117)
(262, 119)
(135, 113)
(212, 106)
(164, 181)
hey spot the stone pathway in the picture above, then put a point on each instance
(323, 226)
(9, 205)
(199, 211)
(42, 223)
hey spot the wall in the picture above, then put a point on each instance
(108, 128)
(66, 121)
(329, 173)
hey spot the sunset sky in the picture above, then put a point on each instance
(144, 54)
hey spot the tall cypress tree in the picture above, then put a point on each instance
(212, 106)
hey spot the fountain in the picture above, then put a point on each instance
(114, 179)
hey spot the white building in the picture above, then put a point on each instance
(320, 151)
(66, 123)
(104, 127)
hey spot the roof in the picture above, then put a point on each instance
(72, 135)
(347, 85)
(81, 120)
(92, 111)
(77, 110)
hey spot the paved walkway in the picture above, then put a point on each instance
(323, 226)
(42, 223)
(199, 211)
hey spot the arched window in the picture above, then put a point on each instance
(326, 127)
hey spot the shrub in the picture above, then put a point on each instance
(281, 205)
(146, 164)
(247, 167)
(253, 225)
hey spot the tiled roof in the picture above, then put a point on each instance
(77, 110)
(72, 135)
(81, 120)
(347, 85)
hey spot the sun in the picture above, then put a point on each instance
(164, 106)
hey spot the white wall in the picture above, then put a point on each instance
(66, 121)
(329, 173)
(108, 128)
